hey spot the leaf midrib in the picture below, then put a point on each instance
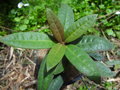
(66, 14)
(74, 31)
(78, 58)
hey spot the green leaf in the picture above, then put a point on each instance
(66, 16)
(17, 19)
(31, 40)
(113, 62)
(95, 43)
(55, 26)
(80, 27)
(118, 34)
(81, 60)
(97, 56)
(56, 83)
(47, 80)
(110, 32)
(26, 21)
(55, 55)
(2, 33)
(59, 68)
(44, 77)
(104, 70)
(0, 38)
(49, 77)
(41, 75)
(23, 27)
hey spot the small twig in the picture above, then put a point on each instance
(7, 75)
(27, 74)
(97, 85)
(84, 83)
(113, 80)
(108, 56)
(42, 28)
(107, 19)
(30, 83)
(107, 15)
(103, 34)
(6, 28)
(11, 53)
(31, 53)
(31, 62)
(12, 62)
(117, 42)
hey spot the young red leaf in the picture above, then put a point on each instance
(55, 26)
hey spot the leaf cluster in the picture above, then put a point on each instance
(65, 30)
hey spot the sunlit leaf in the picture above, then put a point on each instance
(23, 27)
(80, 27)
(66, 16)
(55, 25)
(55, 55)
(31, 40)
(95, 43)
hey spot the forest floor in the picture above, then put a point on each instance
(17, 68)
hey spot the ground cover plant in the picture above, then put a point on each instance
(64, 31)
(32, 17)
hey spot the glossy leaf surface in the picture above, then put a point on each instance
(85, 64)
(96, 56)
(55, 55)
(80, 27)
(95, 43)
(31, 40)
(81, 60)
(66, 16)
(55, 25)
(56, 83)
(104, 70)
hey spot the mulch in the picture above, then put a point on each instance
(17, 69)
